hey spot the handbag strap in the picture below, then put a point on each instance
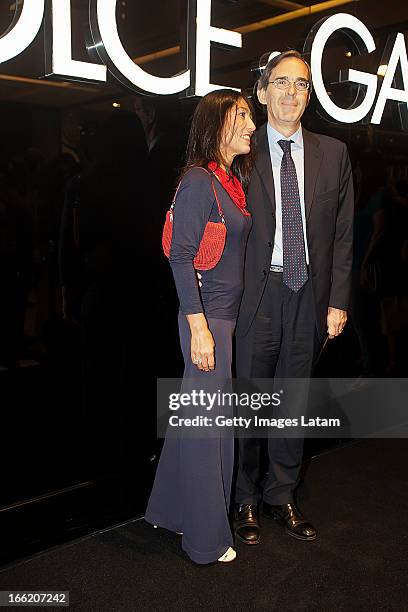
(220, 211)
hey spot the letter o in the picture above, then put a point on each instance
(20, 36)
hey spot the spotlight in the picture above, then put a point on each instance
(382, 70)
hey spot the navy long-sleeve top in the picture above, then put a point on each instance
(220, 294)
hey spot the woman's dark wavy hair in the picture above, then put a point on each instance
(204, 142)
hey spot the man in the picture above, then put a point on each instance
(297, 277)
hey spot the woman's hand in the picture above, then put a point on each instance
(202, 342)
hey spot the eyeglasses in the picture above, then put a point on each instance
(284, 83)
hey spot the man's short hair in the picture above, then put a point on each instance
(263, 80)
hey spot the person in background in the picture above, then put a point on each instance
(16, 267)
(393, 256)
(372, 195)
(103, 242)
(166, 148)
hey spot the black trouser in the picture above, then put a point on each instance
(281, 343)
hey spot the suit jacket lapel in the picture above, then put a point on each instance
(312, 160)
(264, 167)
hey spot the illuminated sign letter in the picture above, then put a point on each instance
(109, 47)
(62, 63)
(23, 30)
(388, 92)
(342, 21)
(204, 35)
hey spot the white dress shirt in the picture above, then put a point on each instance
(276, 153)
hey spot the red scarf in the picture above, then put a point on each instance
(232, 186)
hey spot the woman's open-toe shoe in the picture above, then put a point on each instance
(228, 556)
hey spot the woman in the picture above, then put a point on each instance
(193, 480)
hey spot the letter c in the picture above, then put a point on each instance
(108, 45)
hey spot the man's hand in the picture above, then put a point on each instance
(336, 320)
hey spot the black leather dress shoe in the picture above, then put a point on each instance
(292, 519)
(246, 523)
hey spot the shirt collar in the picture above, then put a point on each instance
(274, 136)
(153, 142)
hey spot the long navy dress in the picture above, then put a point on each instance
(191, 492)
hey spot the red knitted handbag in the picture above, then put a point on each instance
(212, 243)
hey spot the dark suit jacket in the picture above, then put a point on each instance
(329, 203)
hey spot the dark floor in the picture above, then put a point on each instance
(356, 495)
